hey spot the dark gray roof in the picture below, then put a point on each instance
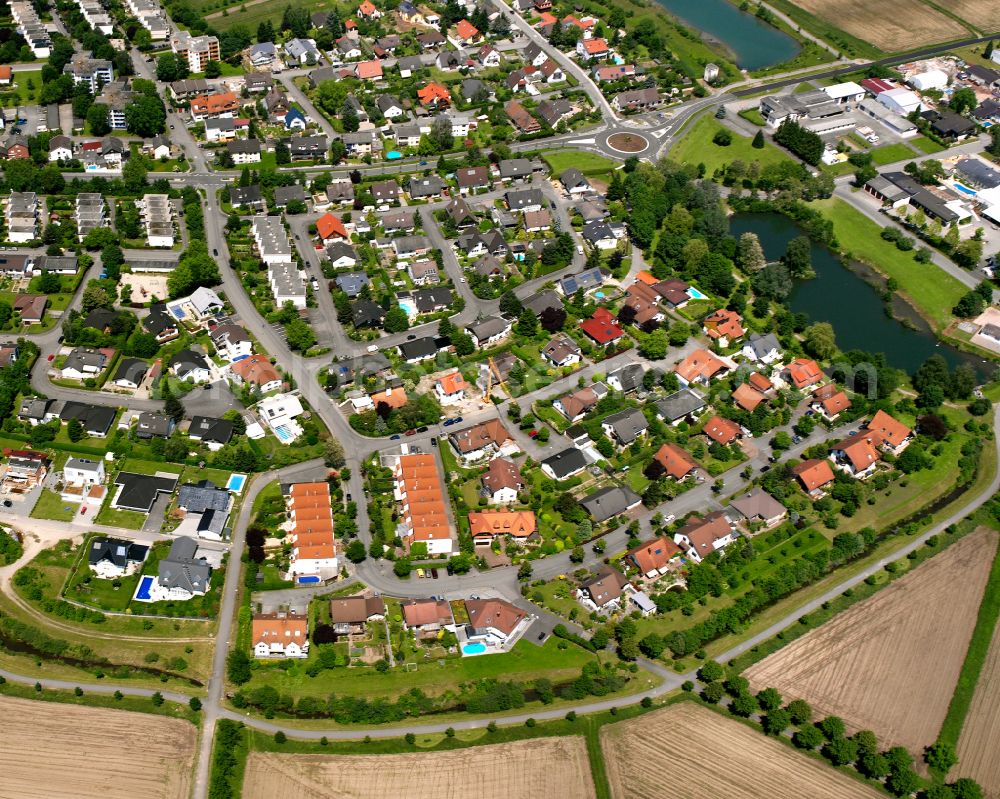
(351, 283)
(117, 550)
(762, 344)
(586, 280)
(131, 369)
(365, 313)
(139, 491)
(187, 361)
(610, 501)
(758, 504)
(158, 320)
(285, 194)
(565, 463)
(629, 376)
(245, 195)
(430, 299)
(154, 424)
(206, 428)
(488, 327)
(96, 419)
(524, 198)
(546, 298)
(426, 187)
(680, 404)
(180, 568)
(202, 496)
(627, 424)
(421, 348)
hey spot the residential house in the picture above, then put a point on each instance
(586, 280)
(82, 363)
(561, 351)
(722, 431)
(349, 615)
(829, 401)
(138, 492)
(495, 621)
(130, 373)
(423, 504)
(577, 404)
(190, 366)
(258, 372)
(701, 366)
(603, 591)
(637, 100)
(602, 328)
(610, 502)
(231, 341)
(625, 427)
(887, 433)
(565, 464)
(502, 481)
(676, 463)
(804, 372)
(280, 635)
(213, 433)
(723, 326)
(758, 509)
(594, 49)
(489, 331)
(450, 389)
(471, 179)
(522, 118)
(427, 617)
(486, 525)
(111, 558)
(814, 475)
(856, 455)
(747, 397)
(701, 536)
(574, 182)
(154, 425)
(762, 347)
(626, 379)
(486, 439)
(653, 558)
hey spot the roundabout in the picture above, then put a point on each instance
(629, 143)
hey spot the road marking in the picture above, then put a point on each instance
(582, 141)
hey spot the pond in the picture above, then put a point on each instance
(842, 297)
(753, 43)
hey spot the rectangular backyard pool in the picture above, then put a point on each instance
(142, 591)
(236, 483)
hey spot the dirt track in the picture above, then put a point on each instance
(890, 663)
(57, 751)
(544, 768)
(689, 752)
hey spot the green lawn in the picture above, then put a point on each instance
(891, 153)
(150, 467)
(931, 290)
(435, 676)
(21, 79)
(697, 148)
(926, 145)
(129, 519)
(591, 164)
(50, 506)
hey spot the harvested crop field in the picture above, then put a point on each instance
(696, 753)
(543, 767)
(979, 744)
(981, 13)
(890, 663)
(53, 751)
(891, 26)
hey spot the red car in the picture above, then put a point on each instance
(533, 433)
(83, 511)
(52, 356)
(411, 431)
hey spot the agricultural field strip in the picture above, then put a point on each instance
(544, 767)
(890, 663)
(700, 754)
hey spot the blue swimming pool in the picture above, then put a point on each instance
(392, 155)
(599, 295)
(306, 579)
(142, 592)
(473, 649)
(283, 433)
(694, 294)
(409, 307)
(965, 189)
(236, 483)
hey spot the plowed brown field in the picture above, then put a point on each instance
(55, 751)
(891, 25)
(979, 744)
(549, 768)
(689, 752)
(890, 663)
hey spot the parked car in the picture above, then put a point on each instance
(422, 429)
(394, 437)
(411, 432)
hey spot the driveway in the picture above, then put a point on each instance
(212, 400)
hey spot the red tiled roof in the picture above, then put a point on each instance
(601, 327)
(804, 372)
(675, 460)
(466, 30)
(328, 226)
(722, 430)
(813, 474)
(886, 429)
